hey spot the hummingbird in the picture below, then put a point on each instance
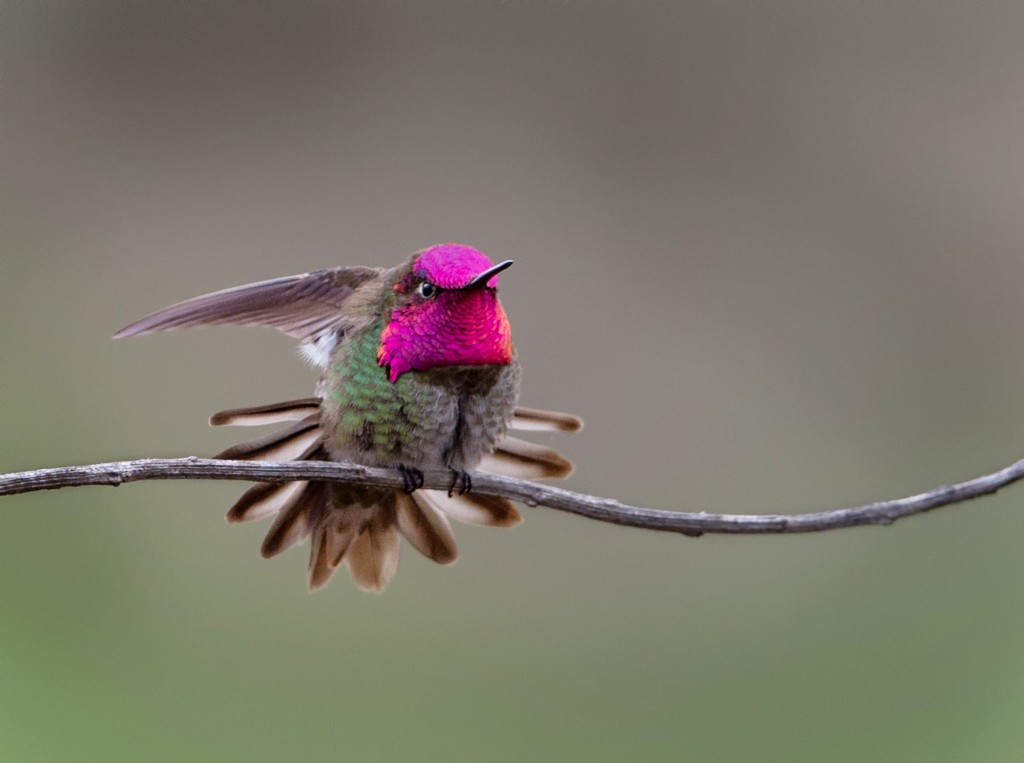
(419, 373)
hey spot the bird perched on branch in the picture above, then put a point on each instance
(419, 373)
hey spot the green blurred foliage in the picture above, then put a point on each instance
(771, 252)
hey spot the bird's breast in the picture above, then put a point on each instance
(435, 419)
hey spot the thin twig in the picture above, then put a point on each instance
(530, 493)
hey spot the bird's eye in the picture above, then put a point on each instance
(426, 290)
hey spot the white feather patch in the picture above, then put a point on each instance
(318, 352)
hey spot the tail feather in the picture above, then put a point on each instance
(426, 528)
(296, 520)
(332, 537)
(286, 445)
(320, 561)
(275, 413)
(471, 508)
(537, 420)
(262, 500)
(265, 499)
(373, 556)
(525, 460)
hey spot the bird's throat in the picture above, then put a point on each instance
(455, 329)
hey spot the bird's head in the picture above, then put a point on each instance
(443, 310)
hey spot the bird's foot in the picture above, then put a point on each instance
(412, 477)
(461, 482)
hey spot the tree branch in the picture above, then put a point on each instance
(530, 493)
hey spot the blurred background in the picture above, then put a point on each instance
(772, 253)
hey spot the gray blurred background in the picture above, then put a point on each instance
(773, 253)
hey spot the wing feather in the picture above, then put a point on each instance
(301, 306)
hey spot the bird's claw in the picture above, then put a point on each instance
(412, 477)
(461, 482)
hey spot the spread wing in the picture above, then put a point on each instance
(301, 306)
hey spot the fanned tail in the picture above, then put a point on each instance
(361, 526)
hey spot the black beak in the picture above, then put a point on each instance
(483, 278)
